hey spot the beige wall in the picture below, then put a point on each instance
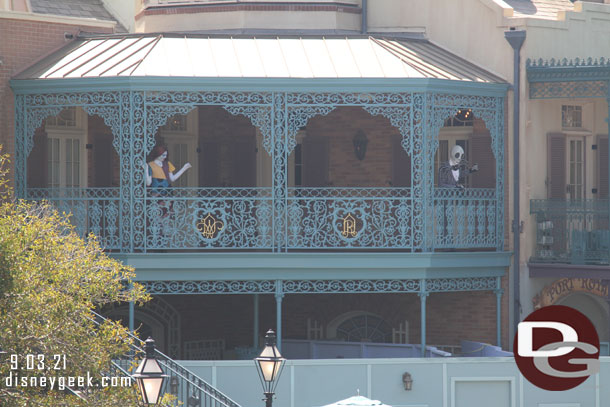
(250, 20)
(582, 33)
(124, 11)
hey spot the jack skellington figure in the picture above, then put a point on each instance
(452, 173)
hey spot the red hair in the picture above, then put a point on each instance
(157, 152)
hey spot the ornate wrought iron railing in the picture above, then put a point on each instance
(334, 218)
(316, 218)
(573, 232)
(209, 218)
(465, 218)
(188, 388)
(93, 210)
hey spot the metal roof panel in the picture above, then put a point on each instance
(296, 58)
(250, 57)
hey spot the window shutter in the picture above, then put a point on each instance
(103, 155)
(602, 167)
(401, 164)
(244, 162)
(481, 153)
(315, 161)
(209, 166)
(37, 161)
(556, 165)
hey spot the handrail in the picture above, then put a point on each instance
(192, 386)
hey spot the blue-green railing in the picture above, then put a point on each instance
(316, 218)
(93, 210)
(572, 232)
(188, 388)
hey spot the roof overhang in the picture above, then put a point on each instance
(247, 63)
(36, 86)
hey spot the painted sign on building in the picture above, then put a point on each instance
(559, 289)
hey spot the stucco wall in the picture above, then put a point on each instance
(456, 382)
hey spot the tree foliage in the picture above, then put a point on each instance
(50, 281)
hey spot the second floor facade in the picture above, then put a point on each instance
(275, 165)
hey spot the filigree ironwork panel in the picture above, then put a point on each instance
(283, 220)
(211, 287)
(298, 118)
(20, 146)
(461, 284)
(491, 111)
(576, 89)
(224, 219)
(462, 218)
(280, 288)
(254, 105)
(112, 118)
(92, 210)
(350, 286)
(381, 218)
(39, 107)
(279, 171)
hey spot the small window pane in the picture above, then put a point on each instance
(175, 123)
(53, 162)
(571, 116)
(65, 118)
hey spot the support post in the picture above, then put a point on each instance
(606, 283)
(279, 170)
(423, 294)
(132, 319)
(608, 197)
(499, 291)
(256, 323)
(516, 38)
(279, 296)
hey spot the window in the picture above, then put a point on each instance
(575, 187)
(180, 157)
(66, 119)
(175, 123)
(462, 118)
(571, 117)
(364, 327)
(179, 134)
(66, 154)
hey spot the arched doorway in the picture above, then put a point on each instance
(593, 307)
(157, 319)
(586, 295)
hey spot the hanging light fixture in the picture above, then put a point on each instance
(360, 142)
(149, 375)
(270, 364)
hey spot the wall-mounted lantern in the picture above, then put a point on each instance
(407, 381)
(360, 141)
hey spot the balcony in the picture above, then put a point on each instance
(217, 219)
(571, 232)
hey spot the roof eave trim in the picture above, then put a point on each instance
(152, 83)
(568, 74)
(59, 19)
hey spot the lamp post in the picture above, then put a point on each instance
(149, 375)
(270, 364)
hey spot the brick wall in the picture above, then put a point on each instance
(345, 170)
(22, 43)
(451, 317)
